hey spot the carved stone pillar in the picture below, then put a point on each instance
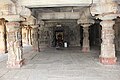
(3, 42)
(86, 46)
(107, 47)
(15, 59)
(107, 11)
(35, 38)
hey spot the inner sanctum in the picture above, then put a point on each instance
(89, 26)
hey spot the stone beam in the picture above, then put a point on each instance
(55, 3)
(60, 15)
(61, 21)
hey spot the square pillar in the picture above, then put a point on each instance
(107, 55)
(15, 59)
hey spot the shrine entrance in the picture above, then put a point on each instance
(58, 36)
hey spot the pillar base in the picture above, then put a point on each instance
(85, 49)
(108, 61)
(16, 64)
(3, 51)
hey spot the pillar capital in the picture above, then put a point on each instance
(86, 25)
(12, 26)
(107, 23)
(2, 19)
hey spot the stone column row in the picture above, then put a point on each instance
(107, 55)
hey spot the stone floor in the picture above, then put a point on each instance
(64, 64)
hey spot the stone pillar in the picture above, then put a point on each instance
(107, 11)
(27, 35)
(3, 42)
(35, 38)
(15, 59)
(30, 37)
(86, 46)
(107, 47)
(21, 33)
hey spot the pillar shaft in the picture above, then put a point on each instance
(35, 38)
(15, 59)
(27, 36)
(107, 47)
(3, 42)
(30, 37)
(86, 46)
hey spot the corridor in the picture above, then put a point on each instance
(64, 64)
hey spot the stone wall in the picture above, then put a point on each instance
(71, 34)
(74, 35)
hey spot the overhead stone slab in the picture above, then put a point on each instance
(13, 17)
(55, 3)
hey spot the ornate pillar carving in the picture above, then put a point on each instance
(107, 10)
(3, 42)
(15, 59)
(86, 46)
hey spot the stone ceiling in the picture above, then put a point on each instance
(39, 7)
